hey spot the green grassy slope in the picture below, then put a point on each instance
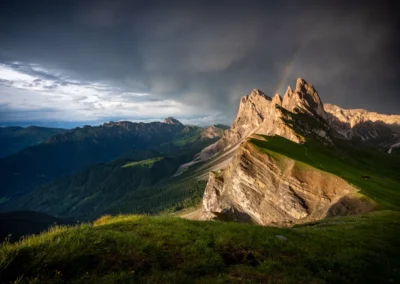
(148, 163)
(189, 135)
(132, 249)
(121, 186)
(377, 174)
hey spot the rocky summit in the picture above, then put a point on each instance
(260, 186)
(171, 120)
(261, 114)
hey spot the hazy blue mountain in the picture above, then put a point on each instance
(72, 175)
(64, 153)
(15, 138)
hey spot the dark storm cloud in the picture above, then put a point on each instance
(209, 53)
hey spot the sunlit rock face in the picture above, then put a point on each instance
(258, 188)
(171, 120)
(304, 97)
(261, 114)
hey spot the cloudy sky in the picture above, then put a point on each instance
(92, 61)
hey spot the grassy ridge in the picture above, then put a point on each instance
(375, 173)
(192, 134)
(148, 163)
(132, 248)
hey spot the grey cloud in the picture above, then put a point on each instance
(51, 87)
(209, 53)
(6, 82)
(80, 98)
(89, 105)
(31, 70)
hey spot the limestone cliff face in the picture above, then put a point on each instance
(253, 109)
(259, 188)
(211, 132)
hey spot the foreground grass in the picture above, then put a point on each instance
(132, 248)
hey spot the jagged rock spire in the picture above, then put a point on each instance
(277, 100)
(304, 97)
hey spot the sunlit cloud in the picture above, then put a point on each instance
(33, 92)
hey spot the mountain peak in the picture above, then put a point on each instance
(171, 120)
(258, 93)
(253, 108)
(277, 100)
(259, 114)
(300, 84)
(304, 97)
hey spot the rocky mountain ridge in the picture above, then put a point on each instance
(362, 125)
(268, 189)
(75, 149)
(261, 114)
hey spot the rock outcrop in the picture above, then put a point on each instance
(304, 97)
(263, 189)
(362, 125)
(211, 132)
(357, 116)
(171, 120)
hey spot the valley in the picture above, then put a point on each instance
(316, 192)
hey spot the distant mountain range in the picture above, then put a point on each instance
(13, 139)
(89, 169)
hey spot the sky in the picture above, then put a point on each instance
(86, 62)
